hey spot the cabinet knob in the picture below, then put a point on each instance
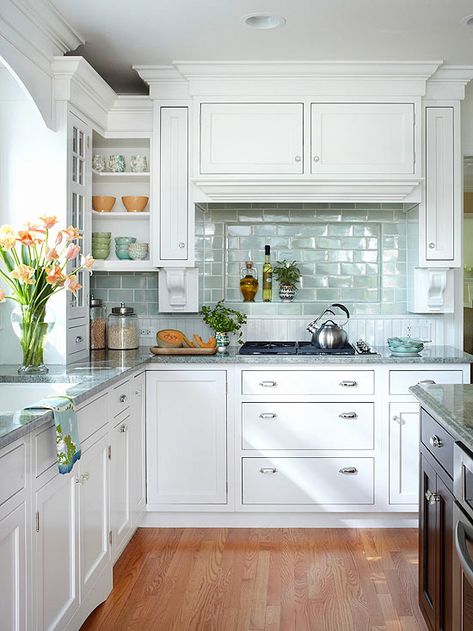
(123, 398)
(348, 415)
(316, 158)
(435, 441)
(268, 384)
(348, 470)
(81, 479)
(123, 429)
(348, 383)
(396, 419)
(268, 470)
(79, 339)
(431, 245)
(432, 498)
(182, 245)
(268, 415)
(297, 158)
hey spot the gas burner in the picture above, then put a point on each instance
(269, 348)
(303, 348)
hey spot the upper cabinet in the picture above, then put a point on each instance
(251, 138)
(362, 138)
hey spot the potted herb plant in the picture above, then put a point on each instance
(223, 321)
(288, 276)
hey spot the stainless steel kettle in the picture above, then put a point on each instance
(329, 334)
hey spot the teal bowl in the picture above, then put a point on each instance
(122, 255)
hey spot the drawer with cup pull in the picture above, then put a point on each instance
(308, 480)
(76, 339)
(307, 425)
(13, 470)
(120, 398)
(308, 382)
(438, 441)
(401, 380)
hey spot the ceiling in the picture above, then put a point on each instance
(119, 34)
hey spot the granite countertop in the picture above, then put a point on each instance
(451, 405)
(85, 379)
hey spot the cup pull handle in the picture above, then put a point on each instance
(348, 415)
(348, 470)
(268, 384)
(268, 470)
(268, 415)
(348, 383)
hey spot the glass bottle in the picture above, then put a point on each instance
(98, 324)
(267, 276)
(248, 282)
(123, 333)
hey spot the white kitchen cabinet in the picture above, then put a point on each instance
(56, 552)
(186, 437)
(173, 208)
(251, 138)
(120, 509)
(441, 229)
(93, 478)
(362, 138)
(404, 453)
(13, 563)
(137, 450)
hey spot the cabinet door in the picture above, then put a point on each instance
(251, 138)
(356, 138)
(428, 541)
(137, 450)
(13, 578)
(56, 552)
(94, 510)
(439, 196)
(174, 184)
(120, 513)
(186, 437)
(404, 453)
(445, 557)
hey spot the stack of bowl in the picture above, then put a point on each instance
(405, 346)
(121, 246)
(101, 244)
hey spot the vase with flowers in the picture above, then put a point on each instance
(36, 263)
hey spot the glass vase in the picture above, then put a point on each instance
(32, 325)
(223, 340)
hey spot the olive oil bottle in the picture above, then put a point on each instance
(267, 275)
(248, 282)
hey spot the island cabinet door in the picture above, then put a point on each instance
(186, 437)
(428, 541)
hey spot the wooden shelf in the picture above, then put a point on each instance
(120, 215)
(124, 174)
(115, 265)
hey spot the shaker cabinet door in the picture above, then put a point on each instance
(13, 563)
(251, 138)
(404, 453)
(359, 138)
(120, 509)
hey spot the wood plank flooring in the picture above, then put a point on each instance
(264, 580)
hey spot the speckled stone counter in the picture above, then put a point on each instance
(105, 368)
(452, 406)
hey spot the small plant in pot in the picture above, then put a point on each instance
(288, 276)
(223, 321)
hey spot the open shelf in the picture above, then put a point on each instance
(119, 215)
(109, 175)
(115, 265)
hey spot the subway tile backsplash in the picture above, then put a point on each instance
(139, 290)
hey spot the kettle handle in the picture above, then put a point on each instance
(342, 308)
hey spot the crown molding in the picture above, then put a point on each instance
(449, 82)
(131, 113)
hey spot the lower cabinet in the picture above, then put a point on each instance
(56, 552)
(404, 427)
(120, 510)
(186, 437)
(137, 451)
(13, 563)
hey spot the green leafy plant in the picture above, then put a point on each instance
(287, 273)
(224, 320)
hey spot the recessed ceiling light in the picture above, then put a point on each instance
(468, 20)
(264, 21)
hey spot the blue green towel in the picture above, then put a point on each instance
(67, 433)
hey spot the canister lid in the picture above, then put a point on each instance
(96, 302)
(123, 310)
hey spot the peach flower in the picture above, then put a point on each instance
(72, 251)
(87, 262)
(59, 238)
(26, 237)
(54, 275)
(49, 221)
(2, 295)
(72, 284)
(23, 273)
(71, 233)
(34, 227)
(51, 255)
(7, 237)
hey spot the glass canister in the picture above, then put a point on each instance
(98, 324)
(123, 333)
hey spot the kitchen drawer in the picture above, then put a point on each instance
(92, 417)
(120, 398)
(77, 339)
(318, 382)
(44, 450)
(401, 380)
(438, 441)
(308, 481)
(12, 471)
(307, 425)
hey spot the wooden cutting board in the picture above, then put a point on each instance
(156, 350)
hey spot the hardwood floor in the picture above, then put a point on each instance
(264, 580)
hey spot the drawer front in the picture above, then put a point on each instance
(318, 382)
(308, 481)
(438, 441)
(401, 380)
(76, 339)
(12, 471)
(92, 417)
(44, 450)
(307, 425)
(120, 398)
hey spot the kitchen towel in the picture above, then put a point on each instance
(67, 433)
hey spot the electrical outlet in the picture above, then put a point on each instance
(145, 331)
